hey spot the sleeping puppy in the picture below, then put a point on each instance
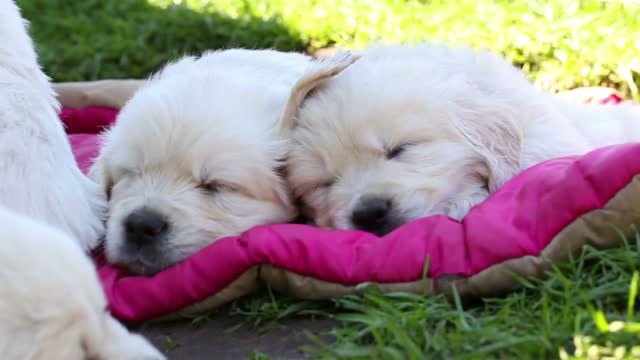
(194, 156)
(407, 132)
(40, 177)
(51, 302)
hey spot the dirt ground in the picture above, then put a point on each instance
(213, 340)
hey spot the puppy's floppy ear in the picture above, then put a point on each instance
(491, 129)
(319, 70)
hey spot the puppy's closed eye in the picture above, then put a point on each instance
(394, 152)
(326, 184)
(214, 187)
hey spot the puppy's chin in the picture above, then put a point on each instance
(394, 222)
(141, 267)
(146, 263)
(138, 261)
(150, 259)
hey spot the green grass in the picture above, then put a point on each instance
(584, 309)
(561, 44)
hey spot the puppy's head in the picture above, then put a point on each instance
(188, 162)
(393, 138)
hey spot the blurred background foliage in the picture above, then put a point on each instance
(560, 44)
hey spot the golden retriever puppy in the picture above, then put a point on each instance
(51, 302)
(411, 131)
(40, 177)
(195, 155)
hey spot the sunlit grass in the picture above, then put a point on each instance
(561, 44)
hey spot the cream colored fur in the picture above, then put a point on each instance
(40, 177)
(201, 146)
(433, 130)
(51, 302)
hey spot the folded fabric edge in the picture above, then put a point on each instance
(600, 228)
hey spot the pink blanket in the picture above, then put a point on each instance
(520, 219)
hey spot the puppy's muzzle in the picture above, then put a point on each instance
(374, 214)
(145, 227)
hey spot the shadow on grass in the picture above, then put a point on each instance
(96, 39)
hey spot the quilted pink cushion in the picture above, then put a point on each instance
(518, 220)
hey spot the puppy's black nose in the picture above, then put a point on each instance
(143, 227)
(372, 214)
